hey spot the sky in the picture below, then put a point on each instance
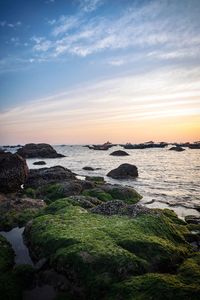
(88, 71)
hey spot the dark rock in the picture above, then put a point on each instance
(96, 179)
(40, 163)
(38, 150)
(13, 172)
(192, 219)
(177, 148)
(88, 168)
(39, 177)
(124, 171)
(119, 153)
(117, 207)
(84, 201)
(112, 207)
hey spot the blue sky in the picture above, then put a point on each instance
(98, 63)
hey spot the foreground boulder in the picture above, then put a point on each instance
(119, 153)
(38, 150)
(43, 176)
(124, 171)
(13, 172)
(116, 256)
(17, 210)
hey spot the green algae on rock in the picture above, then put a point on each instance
(106, 192)
(98, 253)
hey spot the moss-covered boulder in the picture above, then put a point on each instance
(17, 210)
(97, 253)
(9, 288)
(106, 192)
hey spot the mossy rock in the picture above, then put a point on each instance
(13, 218)
(97, 252)
(107, 192)
(9, 287)
(156, 287)
(6, 255)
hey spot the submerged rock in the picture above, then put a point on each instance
(124, 171)
(119, 153)
(88, 168)
(40, 163)
(13, 172)
(38, 150)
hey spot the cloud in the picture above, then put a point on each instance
(10, 25)
(90, 5)
(158, 94)
(153, 25)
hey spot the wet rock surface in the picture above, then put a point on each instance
(124, 171)
(13, 172)
(38, 150)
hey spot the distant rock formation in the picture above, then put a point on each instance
(38, 150)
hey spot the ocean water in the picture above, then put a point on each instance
(167, 179)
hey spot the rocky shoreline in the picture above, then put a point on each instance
(95, 239)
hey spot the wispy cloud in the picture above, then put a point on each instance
(159, 94)
(151, 25)
(90, 5)
(10, 25)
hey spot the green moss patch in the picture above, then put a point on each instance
(96, 252)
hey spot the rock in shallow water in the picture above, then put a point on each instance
(39, 163)
(119, 153)
(124, 171)
(38, 150)
(13, 172)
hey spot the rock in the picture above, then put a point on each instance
(40, 177)
(177, 148)
(106, 256)
(117, 207)
(192, 219)
(107, 192)
(84, 201)
(96, 179)
(40, 163)
(88, 168)
(17, 210)
(112, 207)
(38, 150)
(13, 172)
(124, 171)
(119, 153)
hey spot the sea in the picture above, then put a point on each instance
(167, 179)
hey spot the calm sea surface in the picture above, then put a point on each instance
(166, 178)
